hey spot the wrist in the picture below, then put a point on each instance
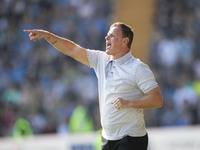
(46, 35)
(131, 103)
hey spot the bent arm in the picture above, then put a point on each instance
(64, 45)
(151, 99)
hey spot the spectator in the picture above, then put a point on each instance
(176, 51)
(30, 76)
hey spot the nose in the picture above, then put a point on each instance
(106, 37)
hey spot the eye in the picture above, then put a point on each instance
(113, 35)
(110, 36)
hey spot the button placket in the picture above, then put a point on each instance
(113, 67)
(111, 70)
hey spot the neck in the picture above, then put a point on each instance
(123, 52)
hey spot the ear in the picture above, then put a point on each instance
(125, 41)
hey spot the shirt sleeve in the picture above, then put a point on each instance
(145, 78)
(94, 57)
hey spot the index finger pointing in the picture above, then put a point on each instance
(29, 31)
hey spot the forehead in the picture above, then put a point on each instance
(115, 30)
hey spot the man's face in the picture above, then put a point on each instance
(114, 41)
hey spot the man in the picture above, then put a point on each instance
(126, 86)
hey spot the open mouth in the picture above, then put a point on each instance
(108, 45)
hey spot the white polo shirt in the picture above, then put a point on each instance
(126, 78)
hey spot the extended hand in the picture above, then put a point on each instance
(120, 103)
(36, 34)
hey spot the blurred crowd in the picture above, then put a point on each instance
(37, 82)
(44, 86)
(175, 60)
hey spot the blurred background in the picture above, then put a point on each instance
(48, 89)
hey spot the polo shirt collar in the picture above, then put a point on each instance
(122, 59)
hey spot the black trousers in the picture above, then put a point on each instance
(126, 143)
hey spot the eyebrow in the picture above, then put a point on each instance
(110, 34)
